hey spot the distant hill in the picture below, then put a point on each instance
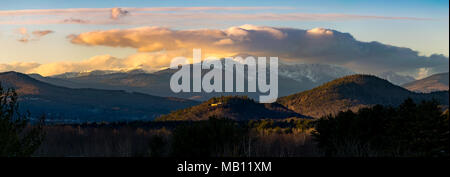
(437, 82)
(352, 92)
(292, 79)
(232, 107)
(62, 104)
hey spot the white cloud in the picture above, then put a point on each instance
(319, 32)
(278, 34)
(422, 73)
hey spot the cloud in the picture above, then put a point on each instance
(316, 45)
(75, 21)
(156, 46)
(423, 72)
(25, 37)
(319, 32)
(146, 61)
(172, 15)
(103, 62)
(19, 66)
(39, 33)
(150, 39)
(132, 9)
(23, 32)
(118, 12)
(224, 42)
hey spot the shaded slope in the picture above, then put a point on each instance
(232, 107)
(88, 104)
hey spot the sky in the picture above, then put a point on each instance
(53, 36)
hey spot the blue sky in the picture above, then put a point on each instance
(427, 35)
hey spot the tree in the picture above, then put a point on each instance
(407, 130)
(17, 137)
(156, 146)
(216, 137)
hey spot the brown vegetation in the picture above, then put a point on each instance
(265, 138)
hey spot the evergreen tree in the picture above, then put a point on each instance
(408, 130)
(17, 137)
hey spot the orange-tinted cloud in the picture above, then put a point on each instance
(19, 66)
(23, 32)
(150, 39)
(316, 45)
(146, 61)
(118, 12)
(156, 46)
(25, 37)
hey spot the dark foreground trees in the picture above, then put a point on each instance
(215, 137)
(408, 130)
(17, 138)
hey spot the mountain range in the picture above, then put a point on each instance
(347, 93)
(292, 79)
(61, 104)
